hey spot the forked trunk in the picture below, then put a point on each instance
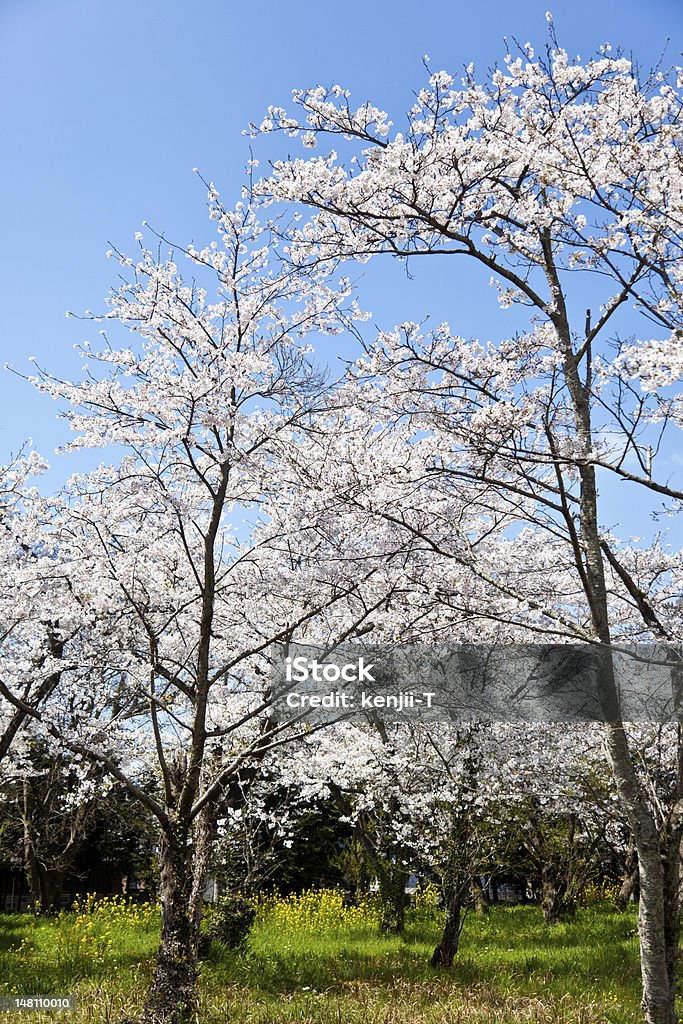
(46, 885)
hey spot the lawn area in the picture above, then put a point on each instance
(311, 961)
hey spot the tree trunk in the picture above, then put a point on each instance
(456, 881)
(627, 892)
(205, 837)
(555, 902)
(672, 911)
(659, 910)
(51, 884)
(629, 878)
(479, 898)
(172, 998)
(444, 954)
(46, 884)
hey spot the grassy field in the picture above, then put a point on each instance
(310, 961)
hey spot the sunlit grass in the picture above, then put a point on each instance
(94, 940)
(313, 960)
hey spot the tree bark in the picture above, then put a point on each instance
(172, 997)
(659, 913)
(479, 898)
(556, 904)
(629, 880)
(205, 838)
(658, 910)
(444, 954)
(456, 881)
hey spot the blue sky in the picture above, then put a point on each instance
(108, 107)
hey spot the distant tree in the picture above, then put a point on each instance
(275, 842)
(57, 821)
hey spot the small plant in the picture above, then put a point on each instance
(230, 920)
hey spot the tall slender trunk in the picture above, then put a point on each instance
(659, 914)
(172, 997)
(658, 911)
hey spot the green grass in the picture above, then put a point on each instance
(320, 966)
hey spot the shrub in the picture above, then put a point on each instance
(230, 920)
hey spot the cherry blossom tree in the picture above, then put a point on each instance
(184, 551)
(556, 177)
